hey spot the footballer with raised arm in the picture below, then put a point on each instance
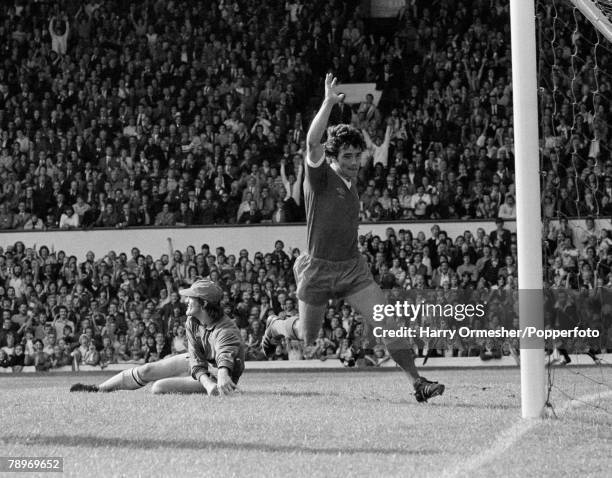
(332, 267)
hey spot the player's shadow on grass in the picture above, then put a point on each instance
(480, 405)
(443, 404)
(89, 441)
(286, 393)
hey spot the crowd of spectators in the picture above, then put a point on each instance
(155, 113)
(171, 113)
(124, 307)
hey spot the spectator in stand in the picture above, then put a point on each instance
(61, 358)
(92, 356)
(34, 223)
(80, 207)
(379, 152)
(508, 209)
(165, 217)
(69, 220)
(18, 361)
(5, 361)
(21, 216)
(158, 349)
(40, 359)
(108, 216)
(179, 342)
(9, 348)
(6, 216)
(341, 113)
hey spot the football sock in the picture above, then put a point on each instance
(404, 357)
(291, 331)
(126, 380)
(286, 328)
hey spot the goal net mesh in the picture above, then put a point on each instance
(575, 99)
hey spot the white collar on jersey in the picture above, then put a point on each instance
(336, 169)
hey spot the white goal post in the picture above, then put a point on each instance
(528, 215)
(527, 167)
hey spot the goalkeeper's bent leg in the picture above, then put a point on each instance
(177, 385)
(126, 380)
(138, 377)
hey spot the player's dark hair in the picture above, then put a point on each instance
(343, 135)
(214, 311)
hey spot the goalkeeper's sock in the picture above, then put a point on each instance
(127, 380)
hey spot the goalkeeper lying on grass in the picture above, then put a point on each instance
(216, 353)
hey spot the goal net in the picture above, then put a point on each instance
(575, 113)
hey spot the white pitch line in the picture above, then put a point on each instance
(510, 436)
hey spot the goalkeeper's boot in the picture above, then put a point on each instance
(270, 337)
(83, 387)
(424, 389)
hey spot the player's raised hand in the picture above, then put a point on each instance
(331, 93)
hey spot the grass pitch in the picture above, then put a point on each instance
(351, 423)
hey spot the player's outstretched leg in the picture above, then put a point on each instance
(399, 349)
(304, 326)
(137, 377)
(177, 385)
